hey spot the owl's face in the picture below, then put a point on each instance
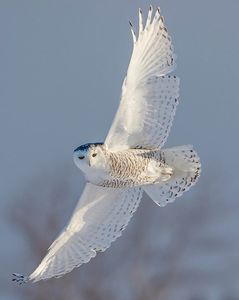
(89, 156)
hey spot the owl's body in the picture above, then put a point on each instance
(131, 159)
(171, 171)
(128, 168)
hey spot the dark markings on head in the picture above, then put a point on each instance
(85, 147)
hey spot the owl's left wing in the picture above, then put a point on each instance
(149, 96)
(98, 219)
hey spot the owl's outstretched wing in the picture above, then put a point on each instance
(149, 96)
(98, 219)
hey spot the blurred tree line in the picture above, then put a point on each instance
(164, 253)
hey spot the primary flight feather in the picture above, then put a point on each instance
(131, 160)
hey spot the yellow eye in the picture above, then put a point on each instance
(94, 155)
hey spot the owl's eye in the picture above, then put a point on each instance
(94, 155)
(81, 157)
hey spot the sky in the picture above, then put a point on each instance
(62, 67)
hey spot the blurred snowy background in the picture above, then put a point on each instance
(62, 65)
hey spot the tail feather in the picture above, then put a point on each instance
(186, 170)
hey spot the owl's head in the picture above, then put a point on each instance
(89, 155)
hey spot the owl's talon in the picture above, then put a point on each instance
(19, 278)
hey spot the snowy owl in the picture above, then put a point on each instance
(131, 160)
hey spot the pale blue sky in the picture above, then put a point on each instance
(63, 62)
(62, 66)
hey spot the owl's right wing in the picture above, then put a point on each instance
(149, 96)
(99, 218)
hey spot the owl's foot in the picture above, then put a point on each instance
(19, 278)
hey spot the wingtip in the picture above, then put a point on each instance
(132, 31)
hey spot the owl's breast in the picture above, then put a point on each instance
(132, 167)
(128, 168)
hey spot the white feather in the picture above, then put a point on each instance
(186, 170)
(143, 120)
(98, 219)
(140, 119)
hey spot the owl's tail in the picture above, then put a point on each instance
(186, 170)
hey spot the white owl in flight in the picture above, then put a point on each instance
(131, 160)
